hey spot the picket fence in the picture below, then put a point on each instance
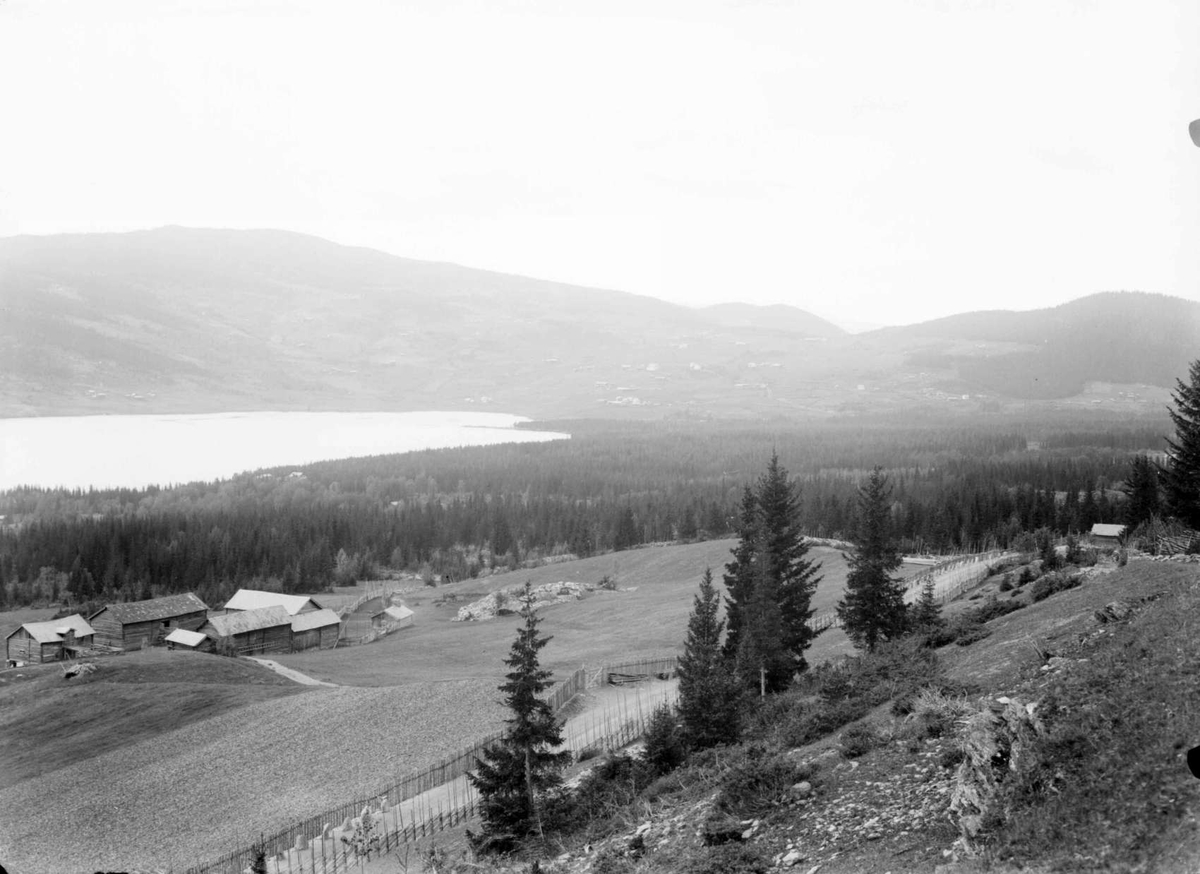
(405, 809)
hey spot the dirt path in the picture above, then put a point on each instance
(291, 674)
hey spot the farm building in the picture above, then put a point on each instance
(317, 630)
(393, 617)
(192, 641)
(1107, 534)
(268, 629)
(134, 623)
(38, 642)
(253, 599)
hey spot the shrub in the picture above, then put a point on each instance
(1006, 583)
(1052, 584)
(994, 609)
(756, 780)
(664, 742)
(858, 740)
(733, 858)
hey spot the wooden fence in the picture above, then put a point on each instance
(406, 809)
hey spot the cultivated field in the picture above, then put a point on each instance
(163, 759)
(647, 617)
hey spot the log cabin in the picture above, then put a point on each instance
(317, 630)
(268, 629)
(134, 624)
(39, 642)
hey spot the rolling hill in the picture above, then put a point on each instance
(200, 320)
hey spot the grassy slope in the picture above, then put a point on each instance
(647, 618)
(47, 722)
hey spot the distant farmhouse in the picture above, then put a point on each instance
(135, 623)
(319, 629)
(39, 642)
(192, 641)
(1109, 535)
(266, 629)
(253, 599)
(394, 617)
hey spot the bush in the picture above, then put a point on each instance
(994, 609)
(1052, 584)
(858, 740)
(1006, 584)
(757, 779)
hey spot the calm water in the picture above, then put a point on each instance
(136, 451)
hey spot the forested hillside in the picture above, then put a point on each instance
(611, 487)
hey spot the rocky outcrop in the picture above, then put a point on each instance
(505, 601)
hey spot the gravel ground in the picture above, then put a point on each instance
(191, 794)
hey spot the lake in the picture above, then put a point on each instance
(137, 451)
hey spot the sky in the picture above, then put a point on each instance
(878, 162)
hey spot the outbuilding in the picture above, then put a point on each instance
(317, 630)
(393, 617)
(1107, 534)
(133, 624)
(50, 641)
(268, 629)
(255, 599)
(192, 641)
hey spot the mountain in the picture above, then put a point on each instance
(195, 320)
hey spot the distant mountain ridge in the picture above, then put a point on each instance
(190, 320)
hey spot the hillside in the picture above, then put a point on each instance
(195, 320)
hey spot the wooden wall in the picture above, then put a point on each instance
(108, 629)
(110, 632)
(278, 638)
(24, 648)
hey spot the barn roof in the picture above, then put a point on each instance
(253, 599)
(315, 619)
(186, 638)
(249, 620)
(1102, 530)
(131, 612)
(398, 613)
(51, 630)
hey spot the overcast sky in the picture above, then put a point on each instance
(883, 161)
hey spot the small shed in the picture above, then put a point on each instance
(50, 641)
(394, 617)
(1107, 534)
(268, 629)
(255, 599)
(131, 624)
(316, 630)
(193, 641)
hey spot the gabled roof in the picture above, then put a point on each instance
(248, 620)
(315, 619)
(398, 613)
(51, 630)
(186, 638)
(1102, 530)
(253, 599)
(155, 609)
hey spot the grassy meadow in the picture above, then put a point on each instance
(646, 617)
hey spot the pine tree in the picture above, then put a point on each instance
(873, 609)
(708, 694)
(770, 582)
(1181, 475)
(1141, 491)
(925, 616)
(517, 772)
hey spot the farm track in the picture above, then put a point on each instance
(190, 793)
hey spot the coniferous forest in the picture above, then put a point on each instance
(956, 485)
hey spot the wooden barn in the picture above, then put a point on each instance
(189, 641)
(253, 599)
(130, 625)
(317, 630)
(393, 618)
(1107, 535)
(268, 629)
(38, 642)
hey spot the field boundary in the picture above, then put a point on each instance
(404, 809)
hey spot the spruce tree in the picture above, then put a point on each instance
(1141, 491)
(517, 772)
(770, 582)
(925, 616)
(873, 609)
(708, 694)
(1180, 476)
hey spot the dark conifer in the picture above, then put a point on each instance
(873, 609)
(1141, 491)
(520, 770)
(708, 693)
(1181, 474)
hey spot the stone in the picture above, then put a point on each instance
(791, 857)
(803, 789)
